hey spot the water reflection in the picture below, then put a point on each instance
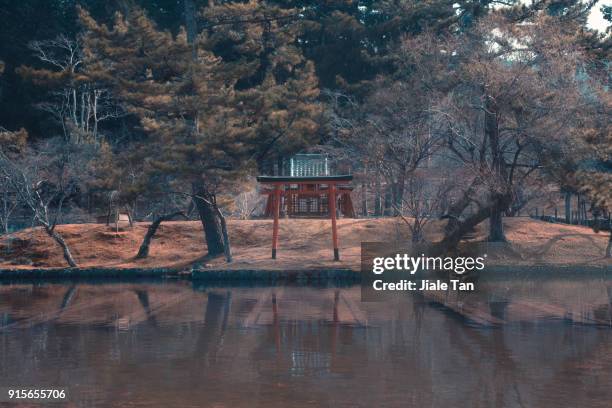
(544, 343)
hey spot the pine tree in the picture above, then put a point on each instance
(352, 41)
(206, 118)
(276, 87)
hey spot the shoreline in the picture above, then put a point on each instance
(344, 275)
(261, 275)
(304, 254)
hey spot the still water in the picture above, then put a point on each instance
(513, 343)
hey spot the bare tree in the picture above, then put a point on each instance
(43, 181)
(13, 144)
(423, 202)
(77, 102)
(247, 200)
(511, 98)
(9, 203)
(391, 134)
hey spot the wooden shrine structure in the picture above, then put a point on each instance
(306, 188)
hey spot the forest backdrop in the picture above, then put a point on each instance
(461, 110)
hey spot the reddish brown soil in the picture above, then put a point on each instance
(304, 243)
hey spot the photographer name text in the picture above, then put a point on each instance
(411, 264)
(410, 285)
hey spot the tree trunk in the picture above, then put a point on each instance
(417, 232)
(60, 240)
(190, 21)
(213, 222)
(364, 191)
(364, 199)
(143, 251)
(398, 199)
(388, 198)
(227, 249)
(129, 209)
(460, 228)
(496, 226)
(456, 209)
(111, 199)
(568, 207)
(377, 201)
(609, 248)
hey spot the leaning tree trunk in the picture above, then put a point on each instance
(456, 209)
(227, 249)
(60, 240)
(143, 251)
(213, 222)
(453, 235)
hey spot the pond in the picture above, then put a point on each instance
(514, 343)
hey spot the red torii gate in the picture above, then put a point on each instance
(295, 189)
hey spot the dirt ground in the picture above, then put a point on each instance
(303, 244)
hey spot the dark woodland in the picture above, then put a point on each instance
(465, 111)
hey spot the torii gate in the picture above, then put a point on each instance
(307, 196)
